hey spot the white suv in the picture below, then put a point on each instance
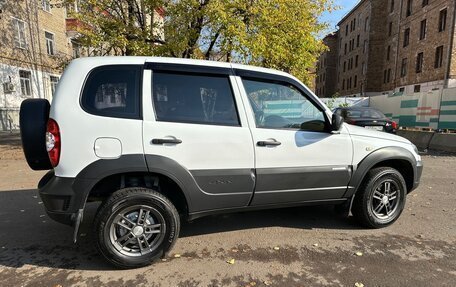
(158, 139)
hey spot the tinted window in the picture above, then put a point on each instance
(113, 91)
(192, 98)
(282, 106)
(364, 113)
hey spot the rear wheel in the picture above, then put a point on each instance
(381, 198)
(136, 226)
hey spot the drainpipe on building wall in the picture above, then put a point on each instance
(398, 46)
(450, 48)
(448, 68)
(34, 62)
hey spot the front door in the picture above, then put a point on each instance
(297, 158)
(193, 130)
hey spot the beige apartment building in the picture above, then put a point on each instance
(39, 38)
(394, 46)
(33, 44)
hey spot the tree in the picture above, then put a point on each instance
(280, 34)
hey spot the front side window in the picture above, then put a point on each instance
(113, 91)
(194, 98)
(406, 37)
(438, 57)
(19, 33)
(50, 44)
(423, 29)
(282, 106)
(26, 82)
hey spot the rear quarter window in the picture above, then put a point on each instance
(113, 91)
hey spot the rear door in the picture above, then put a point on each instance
(194, 119)
(297, 158)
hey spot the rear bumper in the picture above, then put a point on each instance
(59, 198)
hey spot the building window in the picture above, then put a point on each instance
(356, 80)
(417, 88)
(438, 57)
(365, 46)
(19, 33)
(354, 24)
(364, 68)
(26, 79)
(366, 24)
(388, 52)
(345, 65)
(409, 8)
(50, 44)
(442, 20)
(423, 29)
(357, 41)
(406, 37)
(392, 6)
(356, 61)
(346, 30)
(46, 5)
(389, 76)
(419, 62)
(345, 49)
(404, 67)
(424, 3)
(76, 48)
(390, 29)
(401, 90)
(343, 84)
(384, 76)
(54, 81)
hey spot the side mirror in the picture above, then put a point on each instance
(336, 122)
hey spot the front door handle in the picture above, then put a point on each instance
(269, 143)
(166, 141)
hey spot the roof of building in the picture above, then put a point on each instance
(351, 11)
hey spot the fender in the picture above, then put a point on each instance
(387, 153)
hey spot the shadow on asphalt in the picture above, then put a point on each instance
(10, 139)
(29, 237)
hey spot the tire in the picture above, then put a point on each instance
(33, 117)
(370, 207)
(120, 245)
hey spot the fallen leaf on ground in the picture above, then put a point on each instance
(177, 255)
(276, 248)
(231, 261)
(358, 284)
(359, 253)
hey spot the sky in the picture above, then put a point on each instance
(334, 17)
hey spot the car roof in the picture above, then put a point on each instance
(140, 60)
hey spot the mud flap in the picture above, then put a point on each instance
(77, 223)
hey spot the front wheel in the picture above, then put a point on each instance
(136, 226)
(381, 198)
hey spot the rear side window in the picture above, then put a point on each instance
(191, 98)
(113, 91)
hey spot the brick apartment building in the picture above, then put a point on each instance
(326, 70)
(394, 46)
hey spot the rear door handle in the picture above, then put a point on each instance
(269, 143)
(166, 141)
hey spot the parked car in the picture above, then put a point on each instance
(160, 140)
(368, 118)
